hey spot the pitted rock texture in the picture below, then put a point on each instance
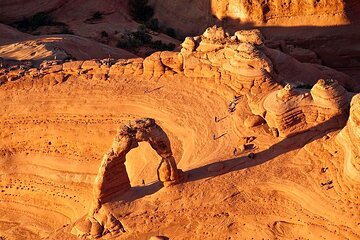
(112, 179)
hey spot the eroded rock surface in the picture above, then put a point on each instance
(349, 138)
(241, 63)
(199, 14)
(112, 179)
(291, 111)
(50, 111)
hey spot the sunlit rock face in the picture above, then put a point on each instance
(240, 62)
(59, 119)
(291, 111)
(200, 14)
(276, 10)
(112, 179)
(348, 138)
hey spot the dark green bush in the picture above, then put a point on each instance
(104, 34)
(304, 86)
(160, 46)
(143, 13)
(66, 30)
(34, 22)
(142, 36)
(134, 39)
(170, 32)
(97, 16)
(152, 24)
(140, 10)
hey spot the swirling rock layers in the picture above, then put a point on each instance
(349, 138)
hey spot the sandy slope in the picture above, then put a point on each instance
(9, 34)
(78, 17)
(98, 124)
(16, 10)
(20, 46)
(62, 46)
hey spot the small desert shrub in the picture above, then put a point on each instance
(170, 32)
(66, 30)
(304, 86)
(69, 57)
(32, 23)
(140, 10)
(104, 34)
(134, 39)
(141, 37)
(152, 24)
(160, 46)
(97, 16)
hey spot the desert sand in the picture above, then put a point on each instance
(229, 136)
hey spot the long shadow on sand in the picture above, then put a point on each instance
(243, 162)
(282, 147)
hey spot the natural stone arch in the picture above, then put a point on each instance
(112, 179)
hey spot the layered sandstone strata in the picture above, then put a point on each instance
(231, 13)
(349, 138)
(290, 111)
(241, 63)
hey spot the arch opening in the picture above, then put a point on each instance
(112, 179)
(141, 164)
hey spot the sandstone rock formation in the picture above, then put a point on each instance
(290, 111)
(276, 11)
(327, 28)
(240, 63)
(199, 14)
(348, 139)
(16, 45)
(56, 120)
(112, 179)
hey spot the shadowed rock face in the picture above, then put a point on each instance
(112, 179)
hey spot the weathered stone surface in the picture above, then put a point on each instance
(291, 111)
(72, 66)
(90, 65)
(349, 138)
(242, 63)
(112, 179)
(253, 120)
(250, 36)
